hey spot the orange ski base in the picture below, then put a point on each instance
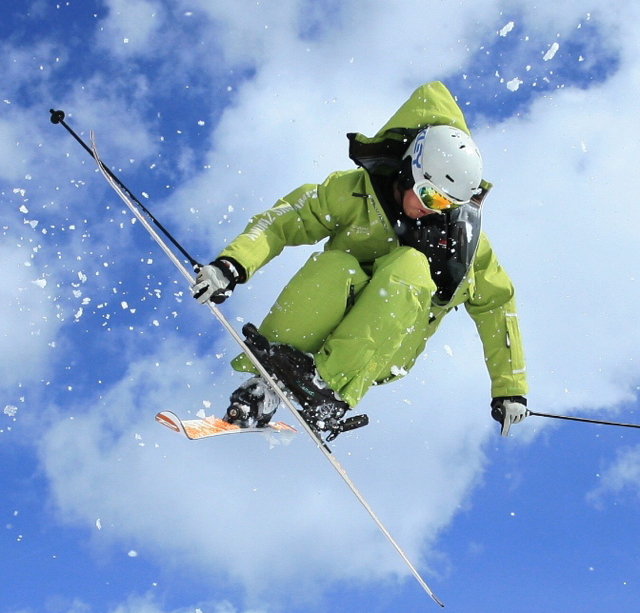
(213, 426)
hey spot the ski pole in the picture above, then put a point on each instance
(57, 117)
(129, 199)
(584, 419)
(267, 377)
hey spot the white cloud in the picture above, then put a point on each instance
(562, 211)
(29, 323)
(202, 505)
(132, 27)
(149, 603)
(622, 475)
(15, 166)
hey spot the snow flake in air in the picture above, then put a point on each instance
(10, 410)
(514, 84)
(507, 29)
(549, 55)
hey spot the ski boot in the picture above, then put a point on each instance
(252, 404)
(321, 407)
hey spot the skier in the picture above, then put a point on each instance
(404, 248)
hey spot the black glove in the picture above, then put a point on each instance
(509, 410)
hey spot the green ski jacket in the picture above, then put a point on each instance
(345, 210)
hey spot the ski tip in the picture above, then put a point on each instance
(169, 419)
(281, 426)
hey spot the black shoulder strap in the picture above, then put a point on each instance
(380, 156)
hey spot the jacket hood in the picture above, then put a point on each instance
(431, 104)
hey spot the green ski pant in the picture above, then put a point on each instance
(362, 329)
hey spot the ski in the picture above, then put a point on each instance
(145, 219)
(206, 427)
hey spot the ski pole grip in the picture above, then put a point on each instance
(497, 412)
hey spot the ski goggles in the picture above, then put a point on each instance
(433, 199)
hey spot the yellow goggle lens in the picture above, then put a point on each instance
(434, 200)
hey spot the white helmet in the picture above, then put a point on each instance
(446, 159)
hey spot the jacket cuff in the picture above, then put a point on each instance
(236, 269)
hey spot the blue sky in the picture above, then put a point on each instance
(210, 113)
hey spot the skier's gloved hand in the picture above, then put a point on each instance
(508, 411)
(216, 281)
